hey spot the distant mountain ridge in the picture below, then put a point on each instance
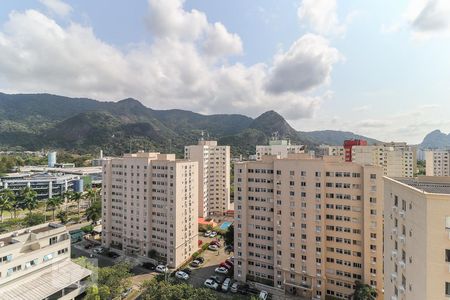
(436, 140)
(36, 121)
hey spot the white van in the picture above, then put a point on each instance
(226, 284)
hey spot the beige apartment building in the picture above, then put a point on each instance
(282, 148)
(437, 162)
(328, 150)
(417, 238)
(214, 176)
(310, 227)
(396, 159)
(150, 204)
(35, 264)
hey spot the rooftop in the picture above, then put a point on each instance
(428, 184)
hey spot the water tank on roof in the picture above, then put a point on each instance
(78, 186)
(51, 159)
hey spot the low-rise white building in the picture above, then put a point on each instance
(35, 264)
(281, 148)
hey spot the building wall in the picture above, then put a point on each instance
(280, 148)
(416, 238)
(305, 225)
(150, 203)
(437, 162)
(214, 165)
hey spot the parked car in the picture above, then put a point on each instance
(209, 283)
(161, 269)
(234, 287)
(187, 271)
(213, 247)
(88, 246)
(194, 263)
(112, 254)
(217, 243)
(243, 289)
(224, 265)
(99, 250)
(200, 259)
(149, 266)
(182, 275)
(212, 234)
(229, 248)
(263, 295)
(226, 284)
(216, 279)
(207, 233)
(231, 258)
(221, 270)
(228, 261)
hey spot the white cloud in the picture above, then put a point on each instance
(184, 67)
(307, 64)
(321, 16)
(57, 6)
(429, 18)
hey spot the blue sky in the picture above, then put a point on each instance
(377, 68)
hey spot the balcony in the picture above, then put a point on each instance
(394, 253)
(394, 276)
(402, 213)
(402, 264)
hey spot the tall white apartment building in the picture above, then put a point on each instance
(214, 176)
(417, 238)
(278, 147)
(396, 159)
(150, 204)
(437, 162)
(35, 264)
(309, 226)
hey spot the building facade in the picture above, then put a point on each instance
(417, 238)
(348, 146)
(35, 264)
(46, 185)
(150, 206)
(309, 226)
(437, 163)
(282, 148)
(396, 159)
(328, 150)
(214, 176)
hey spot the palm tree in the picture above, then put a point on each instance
(364, 292)
(15, 205)
(76, 197)
(5, 201)
(54, 203)
(29, 199)
(91, 195)
(94, 212)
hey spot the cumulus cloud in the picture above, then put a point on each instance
(321, 16)
(185, 66)
(307, 64)
(57, 6)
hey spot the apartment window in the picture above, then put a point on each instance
(53, 240)
(447, 222)
(373, 176)
(447, 289)
(447, 255)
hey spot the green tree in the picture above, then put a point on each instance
(364, 292)
(94, 212)
(54, 203)
(62, 217)
(229, 235)
(28, 199)
(6, 201)
(76, 197)
(114, 280)
(92, 194)
(162, 290)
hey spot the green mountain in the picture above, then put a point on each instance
(37, 121)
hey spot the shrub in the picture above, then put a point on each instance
(195, 254)
(34, 219)
(87, 228)
(205, 246)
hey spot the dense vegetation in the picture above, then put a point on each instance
(42, 121)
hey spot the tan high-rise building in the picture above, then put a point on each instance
(214, 176)
(437, 162)
(328, 150)
(281, 148)
(35, 264)
(396, 159)
(150, 204)
(309, 226)
(417, 238)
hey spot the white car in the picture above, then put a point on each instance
(182, 275)
(226, 284)
(234, 287)
(212, 234)
(221, 270)
(211, 284)
(98, 250)
(161, 269)
(207, 233)
(263, 295)
(213, 247)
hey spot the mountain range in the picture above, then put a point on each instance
(44, 121)
(436, 140)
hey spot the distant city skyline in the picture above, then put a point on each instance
(378, 69)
